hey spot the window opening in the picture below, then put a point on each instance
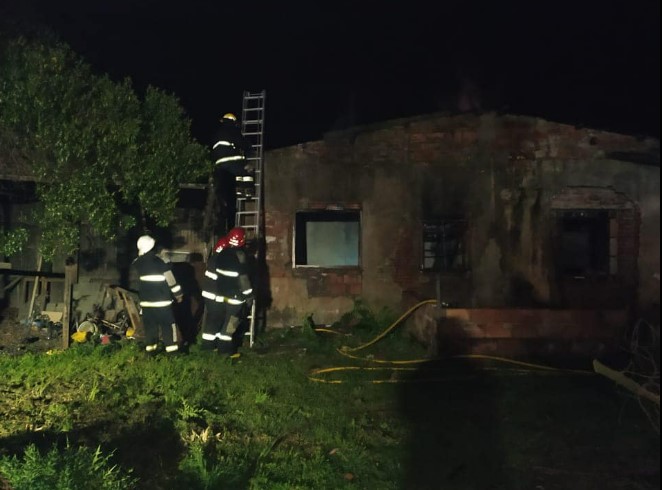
(444, 245)
(586, 248)
(327, 238)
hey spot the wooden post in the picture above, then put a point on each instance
(34, 289)
(70, 275)
(209, 217)
(133, 312)
(628, 383)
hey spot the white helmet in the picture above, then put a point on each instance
(145, 244)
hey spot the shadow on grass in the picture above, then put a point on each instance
(454, 429)
(152, 450)
(512, 428)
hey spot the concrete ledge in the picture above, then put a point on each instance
(518, 331)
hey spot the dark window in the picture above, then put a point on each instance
(444, 245)
(327, 238)
(584, 246)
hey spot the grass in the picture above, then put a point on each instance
(202, 422)
(63, 469)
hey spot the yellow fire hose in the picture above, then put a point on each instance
(522, 367)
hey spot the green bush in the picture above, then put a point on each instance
(64, 469)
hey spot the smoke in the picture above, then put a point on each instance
(469, 98)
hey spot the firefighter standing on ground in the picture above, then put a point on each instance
(227, 292)
(157, 288)
(214, 310)
(229, 152)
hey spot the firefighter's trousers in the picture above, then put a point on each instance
(160, 320)
(220, 326)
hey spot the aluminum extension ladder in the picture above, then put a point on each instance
(249, 209)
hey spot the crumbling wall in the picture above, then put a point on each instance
(518, 332)
(503, 174)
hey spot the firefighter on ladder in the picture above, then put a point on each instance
(229, 151)
(227, 292)
(156, 289)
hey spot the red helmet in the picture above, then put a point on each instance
(221, 244)
(236, 237)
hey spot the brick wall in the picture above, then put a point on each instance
(504, 174)
(518, 332)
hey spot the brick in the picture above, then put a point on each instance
(457, 313)
(497, 330)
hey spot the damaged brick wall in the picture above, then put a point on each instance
(503, 174)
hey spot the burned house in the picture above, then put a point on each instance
(517, 226)
(522, 227)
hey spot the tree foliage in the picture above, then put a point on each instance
(95, 147)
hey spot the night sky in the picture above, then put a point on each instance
(329, 65)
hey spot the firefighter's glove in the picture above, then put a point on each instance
(179, 298)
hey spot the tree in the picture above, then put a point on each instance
(95, 148)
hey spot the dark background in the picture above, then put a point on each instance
(329, 65)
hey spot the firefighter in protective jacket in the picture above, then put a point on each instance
(157, 288)
(229, 151)
(227, 291)
(214, 310)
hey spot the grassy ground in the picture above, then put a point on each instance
(201, 421)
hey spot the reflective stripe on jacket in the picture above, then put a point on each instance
(226, 277)
(157, 283)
